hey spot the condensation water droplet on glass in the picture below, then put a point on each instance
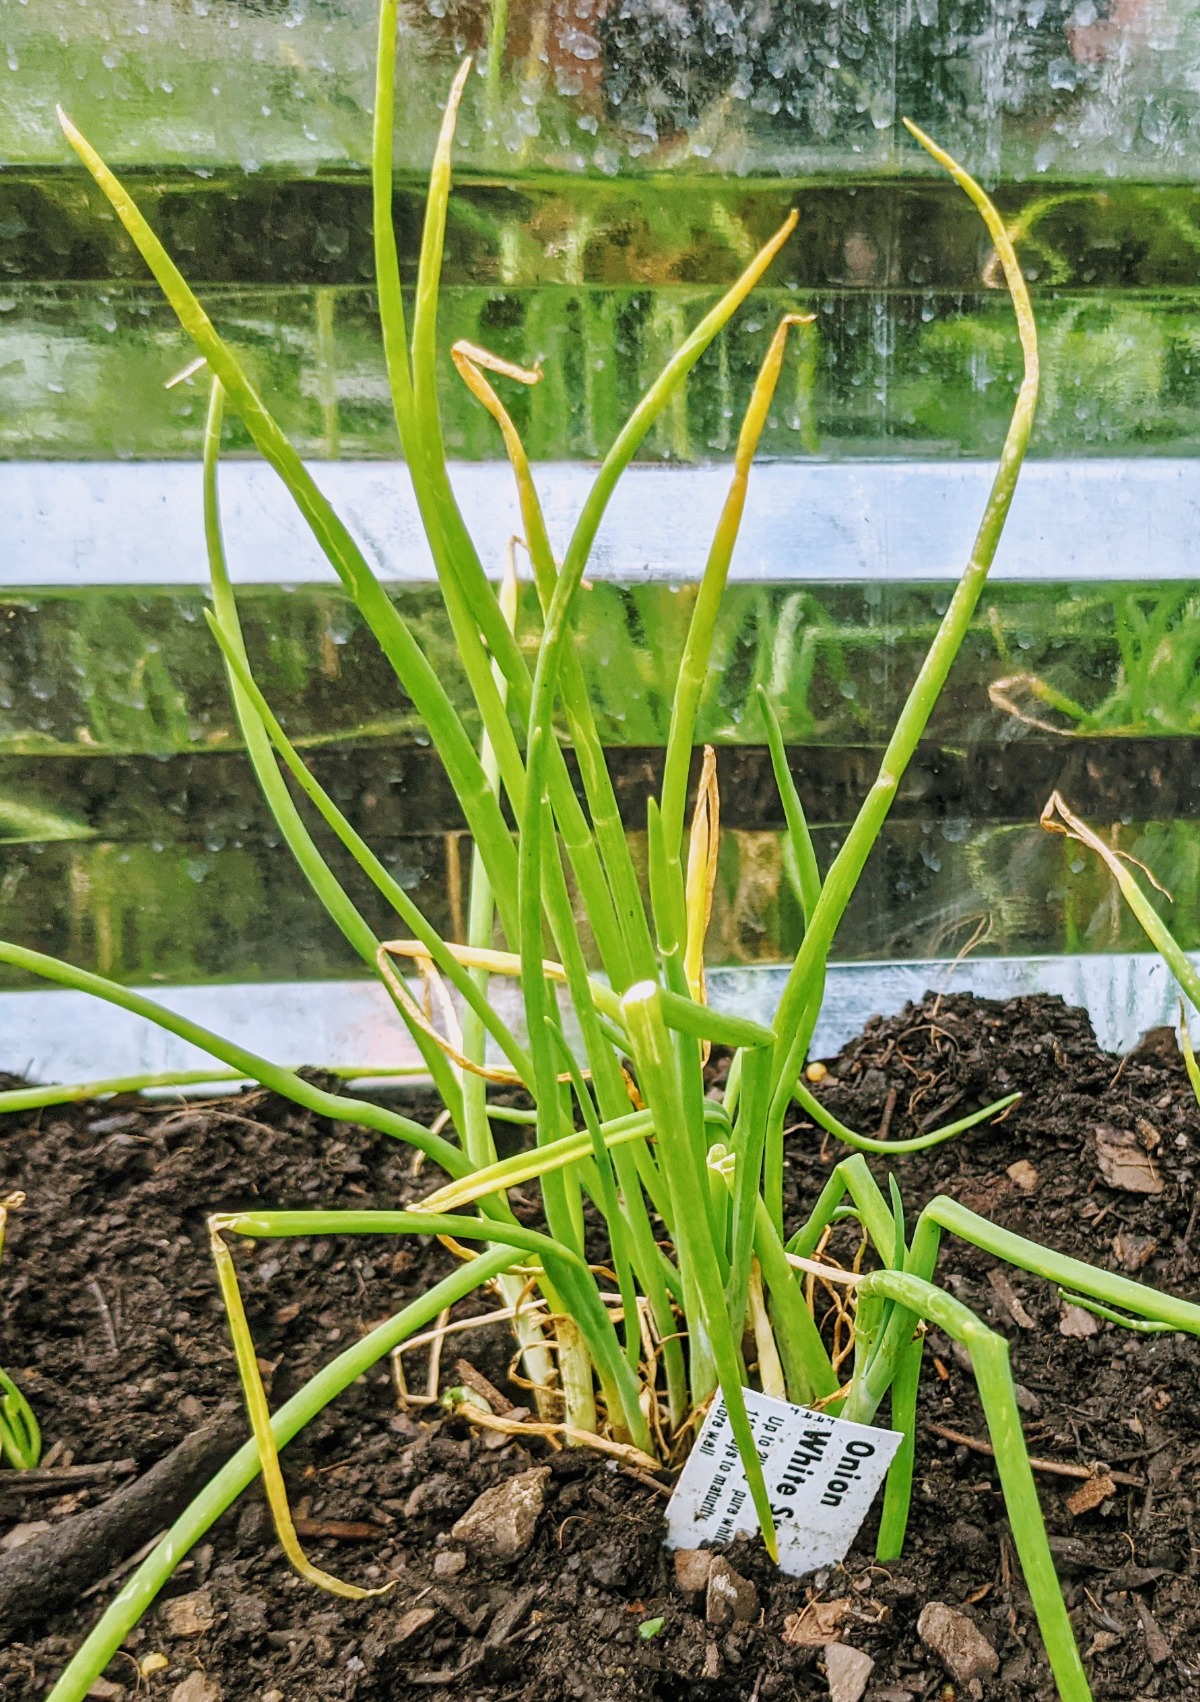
(579, 44)
(1062, 74)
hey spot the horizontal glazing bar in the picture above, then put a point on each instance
(112, 523)
(66, 1036)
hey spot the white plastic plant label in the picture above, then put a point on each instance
(822, 1475)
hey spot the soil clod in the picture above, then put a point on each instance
(847, 1671)
(957, 1642)
(501, 1522)
(729, 1599)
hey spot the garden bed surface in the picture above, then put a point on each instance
(113, 1326)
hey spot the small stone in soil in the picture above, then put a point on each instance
(1147, 1134)
(1027, 1400)
(692, 1566)
(731, 1599)
(104, 1690)
(957, 1642)
(1134, 1251)
(847, 1670)
(449, 1563)
(190, 1615)
(509, 1617)
(1024, 1175)
(197, 1687)
(1075, 1321)
(502, 1520)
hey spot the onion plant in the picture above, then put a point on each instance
(686, 1183)
(1058, 817)
(20, 1438)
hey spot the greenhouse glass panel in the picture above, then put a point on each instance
(617, 163)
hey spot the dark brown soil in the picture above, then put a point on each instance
(113, 1326)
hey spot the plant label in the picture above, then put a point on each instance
(822, 1475)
